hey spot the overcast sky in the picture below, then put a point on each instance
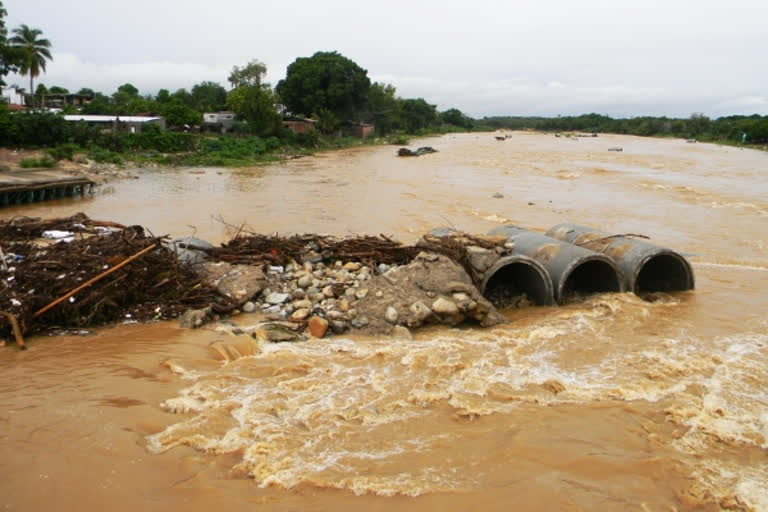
(534, 57)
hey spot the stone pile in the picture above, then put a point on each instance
(322, 297)
(318, 297)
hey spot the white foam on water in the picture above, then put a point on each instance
(311, 416)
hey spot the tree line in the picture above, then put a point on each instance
(327, 87)
(729, 129)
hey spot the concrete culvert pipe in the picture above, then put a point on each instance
(514, 279)
(646, 267)
(574, 271)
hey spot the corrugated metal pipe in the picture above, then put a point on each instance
(575, 271)
(645, 267)
(512, 276)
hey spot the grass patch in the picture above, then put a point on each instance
(33, 163)
(63, 152)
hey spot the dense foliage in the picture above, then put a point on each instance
(327, 80)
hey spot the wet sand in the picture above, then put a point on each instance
(610, 404)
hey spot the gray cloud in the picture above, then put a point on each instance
(483, 57)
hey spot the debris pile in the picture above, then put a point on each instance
(421, 151)
(77, 272)
(88, 279)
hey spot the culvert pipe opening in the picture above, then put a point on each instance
(517, 284)
(587, 278)
(664, 273)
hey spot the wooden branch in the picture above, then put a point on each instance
(16, 329)
(2, 259)
(623, 235)
(95, 279)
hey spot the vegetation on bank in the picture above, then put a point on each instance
(747, 130)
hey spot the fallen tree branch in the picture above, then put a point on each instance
(621, 235)
(16, 329)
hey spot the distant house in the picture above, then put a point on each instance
(13, 98)
(219, 121)
(132, 124)
(353, 129)
(299, 124)
(66, 100)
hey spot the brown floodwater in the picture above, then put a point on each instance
(613, 403)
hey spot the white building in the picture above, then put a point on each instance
(12, 97)
(219, 120)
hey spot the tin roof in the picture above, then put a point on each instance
(109, 119)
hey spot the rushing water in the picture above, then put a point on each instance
(610, 404)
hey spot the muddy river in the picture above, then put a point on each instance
(609, 404)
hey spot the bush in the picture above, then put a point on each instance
(101, 155)
(63, 152)
(272, 143)
(232, 148)
(308, 139)
(398, 140)
(44, 161)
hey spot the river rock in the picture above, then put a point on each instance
(351, 266)
(305, 281)
(401, 333)
(420, 312)
(238, 282)
(194, 318)
(249, 307)
(339, 327)
(277, 298)
(343, 304)
(443, 306)
(391, 315)
(480, 258)
(303, 304)
(317, 326)
(277, 333)
(300, 314)
(328, 291)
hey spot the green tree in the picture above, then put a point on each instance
(383, 108)
(257, 106)
(163, 96)
(33, 51)
(177, 113)
(9, 56)
(41, 90)
(85, 91)
(325, 80)
(418, 114)
(698, 124)
(183, 96)
(124, 95)
(56, 89)
(209, 97)
(250, 75)
(456, 117)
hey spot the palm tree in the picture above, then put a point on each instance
(34, 51)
